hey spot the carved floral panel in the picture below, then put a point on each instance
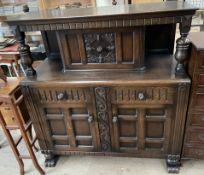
(100, 47)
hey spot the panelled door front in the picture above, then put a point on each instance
(142, 119)
(141, 129)
(68, 119)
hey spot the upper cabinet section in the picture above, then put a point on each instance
(111, 37)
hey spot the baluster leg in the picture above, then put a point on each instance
(25, 54)
(182, 45)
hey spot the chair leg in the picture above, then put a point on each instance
(30, 150)
(31, 138)
(12, 144)
(26, 140)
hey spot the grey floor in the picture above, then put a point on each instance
(90, 165)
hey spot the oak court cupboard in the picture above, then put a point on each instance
(114, 87)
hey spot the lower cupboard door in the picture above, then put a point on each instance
(141, 130)
(69, 129)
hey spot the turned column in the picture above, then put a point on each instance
(182, 45)
(25, 54)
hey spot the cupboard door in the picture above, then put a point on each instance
(72, 128)
(141, 129)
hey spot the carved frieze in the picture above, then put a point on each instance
(162, 95)
(100, 47)
(101, 24)
(59, 94)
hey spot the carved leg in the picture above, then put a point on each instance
(50, 159)
(182, 45)
(25, 54)
(173, 163)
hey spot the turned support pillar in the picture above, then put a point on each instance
(182, 45)
(25, 54)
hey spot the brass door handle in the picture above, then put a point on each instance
(90, 119)
(115, 119)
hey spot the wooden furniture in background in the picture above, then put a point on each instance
(2, 75)
(14, 115)
(10, 56)
(97, 98)
(194, 137)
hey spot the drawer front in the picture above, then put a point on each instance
(197, 120)
(142, 95)
(195, 137)
(200, 64)
(59, 95)
(198, 98)
(8, 115)
(193, 153)
(200, 79)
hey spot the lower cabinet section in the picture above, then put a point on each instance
(128, 121)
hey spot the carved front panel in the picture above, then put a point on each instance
(110, 49)
(100, 47)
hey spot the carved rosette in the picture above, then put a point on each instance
(100, 48)
(102, 115)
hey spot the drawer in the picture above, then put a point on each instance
(193, 153)
(142, 95)
(8, 115)
(197, 120)
(198, 98)
(195, 136)
(200, 79)
(200, 63)
(60, 95)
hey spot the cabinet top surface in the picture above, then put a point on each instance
(103, 12)
(197, 40)
(160, 70)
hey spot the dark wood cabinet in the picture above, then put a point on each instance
(194, 135)
(117, 89)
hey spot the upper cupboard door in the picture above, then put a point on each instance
(96, 49)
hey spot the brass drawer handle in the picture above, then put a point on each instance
(141, 96)
(61, 96)
(90, 119)
(115, 119)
